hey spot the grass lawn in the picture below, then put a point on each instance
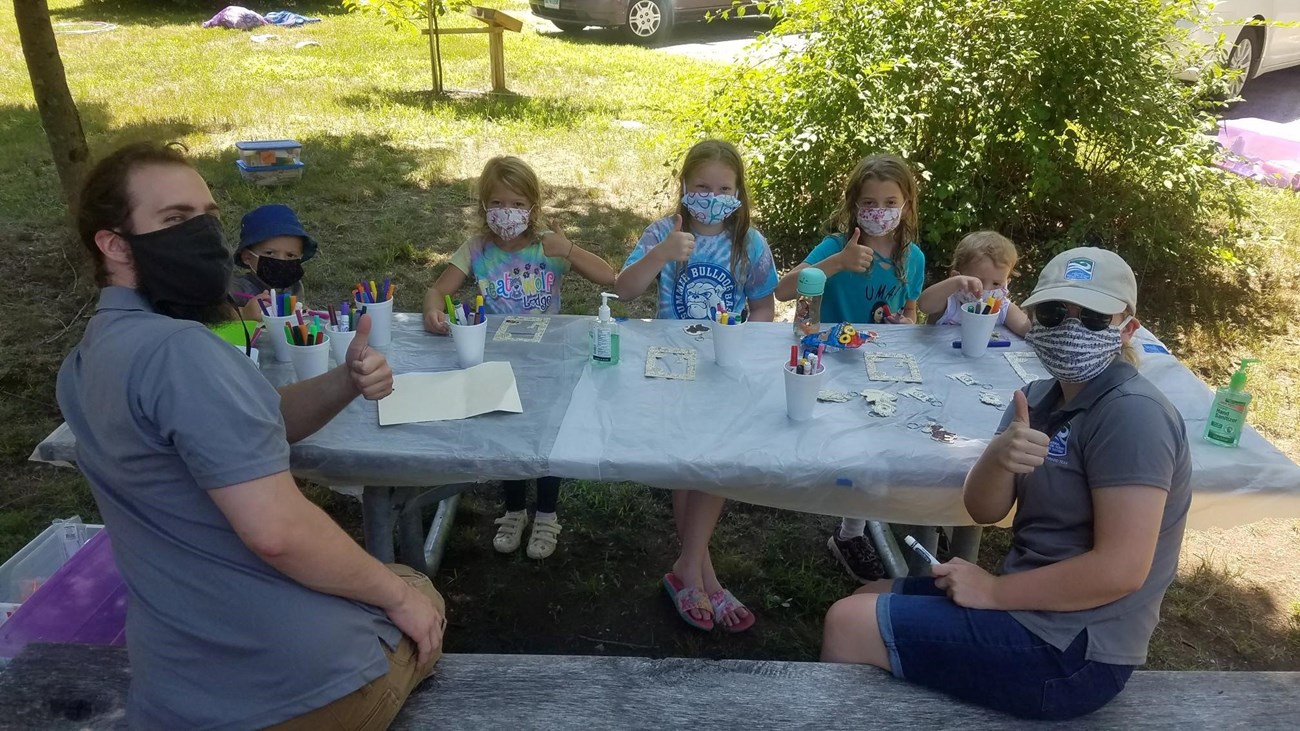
(388, 189)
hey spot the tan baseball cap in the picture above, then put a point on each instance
(1097, 279)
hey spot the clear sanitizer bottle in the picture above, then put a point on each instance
(604, 334)
(1228, 413)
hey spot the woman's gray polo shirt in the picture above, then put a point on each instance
(1119, 431)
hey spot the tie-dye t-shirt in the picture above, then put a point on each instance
(688, 291)
(513, 282)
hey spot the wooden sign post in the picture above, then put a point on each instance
(497, 23)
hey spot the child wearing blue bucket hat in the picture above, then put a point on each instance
(272, 246)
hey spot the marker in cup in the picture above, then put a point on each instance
(913, 544)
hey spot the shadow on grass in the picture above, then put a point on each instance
(551, 112)
(1215, 619)
(156, 13)
(602, 593)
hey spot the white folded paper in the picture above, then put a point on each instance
(450, 395)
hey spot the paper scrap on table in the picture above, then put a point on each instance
(450, 395)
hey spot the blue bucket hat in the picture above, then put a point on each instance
(267, 222)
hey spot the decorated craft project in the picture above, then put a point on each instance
(934, 430)
(674, 363)
(967, 379)
(882, 403)
(922, 396)
(521, 329)
(696, 331)
(833, 397)
(840, 337)
(1018, 360)
(894, 363)
(992, 399)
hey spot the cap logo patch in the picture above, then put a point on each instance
(1078, 269)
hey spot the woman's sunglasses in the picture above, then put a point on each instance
(1052, 314)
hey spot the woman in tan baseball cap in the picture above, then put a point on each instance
(1095, 461)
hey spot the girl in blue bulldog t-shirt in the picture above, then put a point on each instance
(705, 255)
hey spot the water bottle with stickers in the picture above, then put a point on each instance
(808, 304)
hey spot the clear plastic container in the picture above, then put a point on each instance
(34, 563)
(271, 174)
(263, 153)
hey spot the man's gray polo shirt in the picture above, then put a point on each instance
(163, 411)
(1119, 431)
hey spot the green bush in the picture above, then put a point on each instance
(1056, 122)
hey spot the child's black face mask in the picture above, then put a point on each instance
(279, 273)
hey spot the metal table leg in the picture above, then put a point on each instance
(377, 521)
(890, 554)
(966, 542)
(439, 532)
(410, 531)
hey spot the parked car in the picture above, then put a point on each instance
(648, 21)
(1257, 49)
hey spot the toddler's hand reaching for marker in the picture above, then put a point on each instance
(435, 321)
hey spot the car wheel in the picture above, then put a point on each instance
(568, 27)
(649, 21)
(1244, 57)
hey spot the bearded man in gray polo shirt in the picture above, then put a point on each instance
(1096, 463)
(249, 607)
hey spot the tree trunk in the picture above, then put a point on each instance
(58, 111)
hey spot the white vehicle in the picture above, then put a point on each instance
(1255, 49)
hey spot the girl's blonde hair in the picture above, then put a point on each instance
(515, 174)
(889, 168)
(726, 153)
(984, 244)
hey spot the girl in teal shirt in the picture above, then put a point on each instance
(874, 274)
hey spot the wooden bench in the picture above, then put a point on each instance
(82, 686)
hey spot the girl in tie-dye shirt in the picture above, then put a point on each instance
(518, 265)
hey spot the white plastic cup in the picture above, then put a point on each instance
(275, 331)
(339, 341)
(470, 341)
(976, 329)
(381, 321)
(801, 392)
(310, 361)
(726, 343)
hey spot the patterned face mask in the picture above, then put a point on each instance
(508, 223)
(710, 208)
(1072, 353)
(878, 221)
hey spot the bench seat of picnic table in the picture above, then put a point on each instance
(81, 686)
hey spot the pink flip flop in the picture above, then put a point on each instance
(685, 598)
(723, 602)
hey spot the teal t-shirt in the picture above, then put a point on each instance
(861, 297)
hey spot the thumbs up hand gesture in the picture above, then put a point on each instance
(855, 257)
(678, 245)
(1020, 449)
(368, 368)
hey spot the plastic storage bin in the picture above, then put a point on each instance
(265, 153)
(271, 174)
(36, 562)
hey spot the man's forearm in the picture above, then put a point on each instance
(319, 555)
(309, 405)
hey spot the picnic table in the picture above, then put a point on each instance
(726, 431)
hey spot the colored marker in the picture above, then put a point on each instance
(920, 550)
(794, 355)
(451, 308)
(384, 291)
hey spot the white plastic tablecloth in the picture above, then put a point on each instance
(726, 431)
